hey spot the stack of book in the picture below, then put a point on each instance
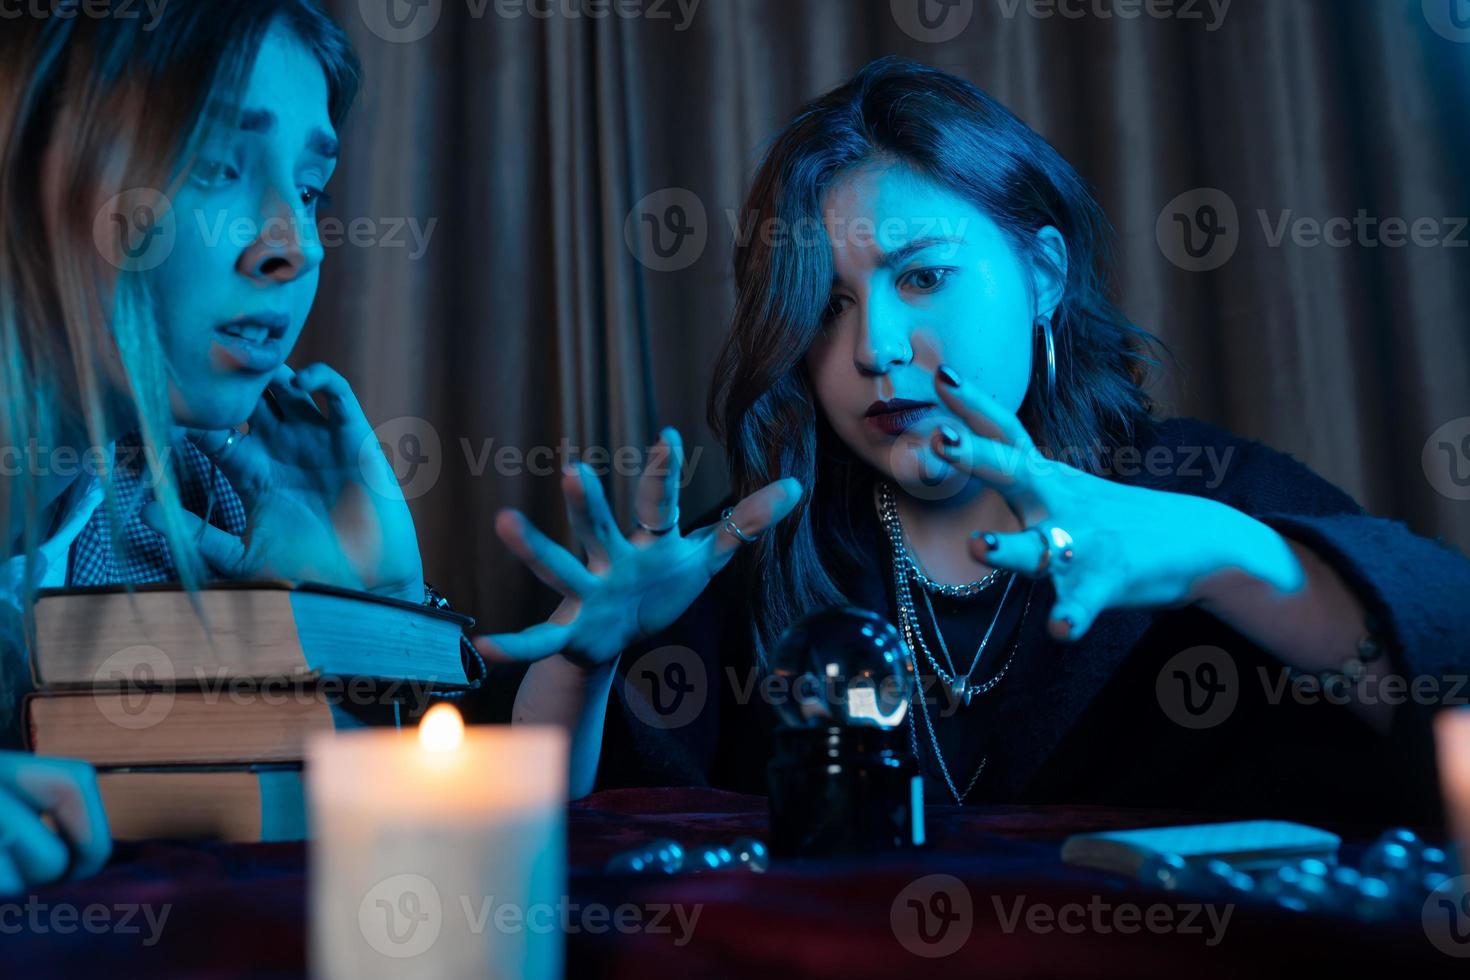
(195, 707)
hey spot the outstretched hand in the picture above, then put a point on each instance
(1104, 544)
(633, 585)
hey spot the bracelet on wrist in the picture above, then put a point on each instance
(1370, 648)
(475, 670)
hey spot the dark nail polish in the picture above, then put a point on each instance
(949, 436)
(991, 542)
(948, 376)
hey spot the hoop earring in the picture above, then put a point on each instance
(1051, 356)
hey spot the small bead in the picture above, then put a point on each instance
(751, 854)
(1242, 883)
(1217, 876)
(1313, 868)
(627, 863)
(1374, 900)
(1404, 837)
(1285, 883)
(1432, 880)
(1166, 871)
(1434, 859)
(1383, 856)
(709, 858)
(668, 855)
(1315, 891)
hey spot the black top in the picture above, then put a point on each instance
(1161, 708)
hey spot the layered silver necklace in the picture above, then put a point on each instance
(906, 574)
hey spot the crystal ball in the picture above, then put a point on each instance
(842, 666)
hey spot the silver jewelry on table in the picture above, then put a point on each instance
(672, 525)
(665, 856)
(727, 522)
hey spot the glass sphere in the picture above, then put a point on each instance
(842, 666)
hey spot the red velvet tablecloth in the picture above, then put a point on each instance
(1008, 908)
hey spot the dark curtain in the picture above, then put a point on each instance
(528, 140)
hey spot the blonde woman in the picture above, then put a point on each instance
(137, 344)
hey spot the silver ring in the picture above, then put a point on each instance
(231, 441)
(1045, 551)
(728, 523)
(1063, 542)
(673, 525)
(1056, 539)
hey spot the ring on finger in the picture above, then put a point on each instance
(727, 519)
(1062, 541)
(658, 532)
(1054, 539)
(1045, 551)
(231, 441)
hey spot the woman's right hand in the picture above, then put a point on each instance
(631, 586)
(31, 853)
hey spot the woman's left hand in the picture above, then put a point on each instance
(324, 502)
(1130, 546)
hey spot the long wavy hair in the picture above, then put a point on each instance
(91, 107)
(761, 402)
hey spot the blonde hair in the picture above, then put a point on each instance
(91, 108)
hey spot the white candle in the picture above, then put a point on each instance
(1452, 746)
(438, 853)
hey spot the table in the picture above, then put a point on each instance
(240, 910)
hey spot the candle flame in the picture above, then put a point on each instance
(442, 729)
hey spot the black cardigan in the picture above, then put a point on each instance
(1092, 722)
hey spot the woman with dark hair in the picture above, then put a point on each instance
(954, 418)
(141, 331)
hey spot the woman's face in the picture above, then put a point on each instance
(920, 278)
(239, 282)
